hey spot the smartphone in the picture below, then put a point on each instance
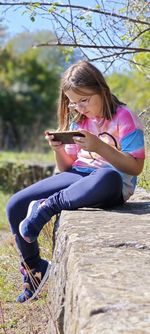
(66, 137)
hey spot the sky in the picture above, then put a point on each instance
(18, 20)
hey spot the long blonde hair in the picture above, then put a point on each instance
(80, 76)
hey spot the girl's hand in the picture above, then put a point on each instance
(55, 145)
(88, 143)
(120, 160)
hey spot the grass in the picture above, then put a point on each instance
(3, 200)
(16, 318)
(19, 157)
(27, 156)
(144, 177)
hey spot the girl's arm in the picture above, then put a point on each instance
(120, 160)
(63, 160)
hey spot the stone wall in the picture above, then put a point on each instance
(100, 276)
(18, 175)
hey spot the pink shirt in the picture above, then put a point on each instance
(127, 130)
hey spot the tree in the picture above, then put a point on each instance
(106, 32)
(2, 32)
(142, 61)
(29, 85)
(131, 88)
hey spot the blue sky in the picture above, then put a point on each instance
(18, 19)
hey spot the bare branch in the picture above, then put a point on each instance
(71, 16)
(100, 32)
(137, 36)
(89, 9)
(106, 47)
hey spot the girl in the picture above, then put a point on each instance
(98, 170)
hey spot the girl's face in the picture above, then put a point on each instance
(87, 104)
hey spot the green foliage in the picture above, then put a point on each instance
(16, 176)
(2, 32)
(144, 178)
(29, 85)
(12, 313)
(35, 5)
(87, 18)
(138, 35)
(68, 53)
(18, 170)
(143, 59)
(47, 158)
(3, 200)
(132, 88)
(32, 18)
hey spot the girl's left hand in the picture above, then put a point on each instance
(88, 143)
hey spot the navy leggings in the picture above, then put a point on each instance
(65, 191)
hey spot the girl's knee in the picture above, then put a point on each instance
(115, 180)
(15, 208)
(115, 175)
(109, 176)
(111, 182)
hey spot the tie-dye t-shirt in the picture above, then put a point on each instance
(127, 130)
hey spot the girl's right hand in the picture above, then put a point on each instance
(55, 145)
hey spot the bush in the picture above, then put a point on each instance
(15, 176)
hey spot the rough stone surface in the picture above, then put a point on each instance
(100, 277)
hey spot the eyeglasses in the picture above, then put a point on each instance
(81, 104)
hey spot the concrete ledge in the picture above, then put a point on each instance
(100, 277)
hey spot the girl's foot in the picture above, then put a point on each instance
(33, 280)
(37, 217)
